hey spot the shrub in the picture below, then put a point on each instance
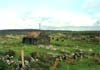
(96, 60)
(10, 53)
(4, 66)
(1, 52)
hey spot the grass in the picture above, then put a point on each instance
(71, 44)
(66, 46)
(83, 64)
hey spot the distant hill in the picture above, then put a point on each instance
(15, 31)
(24, 31)
(73, 28)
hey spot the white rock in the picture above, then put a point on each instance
(90, 50)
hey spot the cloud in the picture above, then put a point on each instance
(11, 20)
(31, 19)
(74, 18)
(22, 18)
(6, 18)
(61, 17)
(97, 16)
(92, 5)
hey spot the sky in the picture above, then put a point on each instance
(22, 14)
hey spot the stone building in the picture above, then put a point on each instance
(36, 37)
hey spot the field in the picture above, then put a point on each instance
(81, 51)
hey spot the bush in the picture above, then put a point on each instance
(39, 65)
(4, 66)
(10, 53)
(1, 52)
(35, 54)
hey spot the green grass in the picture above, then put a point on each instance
(83, 64)
(70, 45)
(66, 46)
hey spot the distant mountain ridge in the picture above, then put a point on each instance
(51, 28)
(24, 31)
(73, 28)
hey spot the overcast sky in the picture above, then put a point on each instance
(16, 14)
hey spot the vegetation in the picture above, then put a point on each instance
(47, 55)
